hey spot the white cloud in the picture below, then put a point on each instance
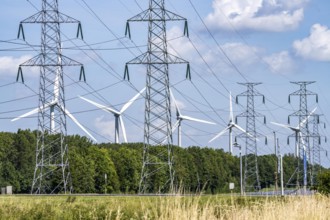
(175, 42)
(243, 56)
(281, 62)
(9, 65)
(316, 46)
(260, 15)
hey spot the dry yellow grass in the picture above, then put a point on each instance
(164, 208)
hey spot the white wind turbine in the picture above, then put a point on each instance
(53, 104)
(117, 114)
(230, 127)
(181, 117)
(299, 136)
(296, 129)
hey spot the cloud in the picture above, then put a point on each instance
(259, 15)
(316, 46)
(243, 56)
(9, 65)
(281, 62)
(175, 40)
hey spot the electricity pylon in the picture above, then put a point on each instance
(302, 143)
(300, 140)
(316, 149)
(51, 174)
(251, 170)
(157, 173)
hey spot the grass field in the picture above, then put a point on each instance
(175, 207)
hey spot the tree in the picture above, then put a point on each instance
(128, 166)
(324, 182)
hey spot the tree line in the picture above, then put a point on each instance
(116, 168)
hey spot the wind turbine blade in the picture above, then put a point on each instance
(103, 107)
(218, 135)
(130, 102)
(306, 119)
(34, 111)
(175, 126)
(196, 119)
(231, 114)
(284, 126)
(176, 104)
(77, 123)
(123, 128)
(241, 129)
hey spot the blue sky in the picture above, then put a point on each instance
(268, 41)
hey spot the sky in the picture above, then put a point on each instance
(273, 42)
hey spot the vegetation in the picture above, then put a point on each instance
(324, 182)
(196, 168)
(176, 207)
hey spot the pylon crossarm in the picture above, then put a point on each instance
(42, 17)
(38, 61)
(154, 58)
(156, 15)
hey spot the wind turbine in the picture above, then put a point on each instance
(299, 137)
(55, 103)
(296, 129)
(117, 114)
(230, 126)
(181, 117)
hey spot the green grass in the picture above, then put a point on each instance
(176, 207)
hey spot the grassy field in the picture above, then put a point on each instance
(177, 207)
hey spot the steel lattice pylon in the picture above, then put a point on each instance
(51, 174)
(302, 140)
(157, 170)
(251, 170)
(315, 157)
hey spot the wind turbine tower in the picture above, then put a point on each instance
(251, 170)
(305, 132)
(51, 174)
(157, 118)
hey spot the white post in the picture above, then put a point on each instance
(282, 184)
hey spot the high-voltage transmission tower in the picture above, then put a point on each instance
(303, 149)
(51, 174)
(315, 151)
(251, 170)
(157, 173)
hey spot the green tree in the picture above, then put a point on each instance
(324, 182)
(105, 175)
(128, 165)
